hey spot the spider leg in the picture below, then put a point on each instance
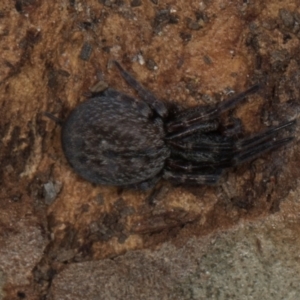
(201, 127)
(207, 158)
(209, 150)
(210, 139)
(235, 100)
(193, 178)
(203, 145)
(225, 161)
(258, 150)
(203, 114)
(146, 95)
(189, 167)
(144, 185)
(227, 158)
(225, 153)
(53, 118)
(233, 129)
(216, 143)
(141, 106)
(261, 137)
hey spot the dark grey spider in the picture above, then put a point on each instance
(115, 139)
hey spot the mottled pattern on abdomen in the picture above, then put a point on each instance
(114, 141)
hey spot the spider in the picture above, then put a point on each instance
(115, 139)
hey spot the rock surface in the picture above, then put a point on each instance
(64, 238)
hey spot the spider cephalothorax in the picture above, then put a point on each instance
(115, 139)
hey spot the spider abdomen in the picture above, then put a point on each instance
(114, 139)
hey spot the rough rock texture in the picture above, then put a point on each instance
(249, 262)
(59, 234)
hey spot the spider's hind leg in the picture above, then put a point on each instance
(146, 95)
(54, 118)
(144, 185)
(194, 178)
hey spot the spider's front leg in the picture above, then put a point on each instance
(146, 95)
(193, 119)
(222, 152)
(252, 147)
(189, 130)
